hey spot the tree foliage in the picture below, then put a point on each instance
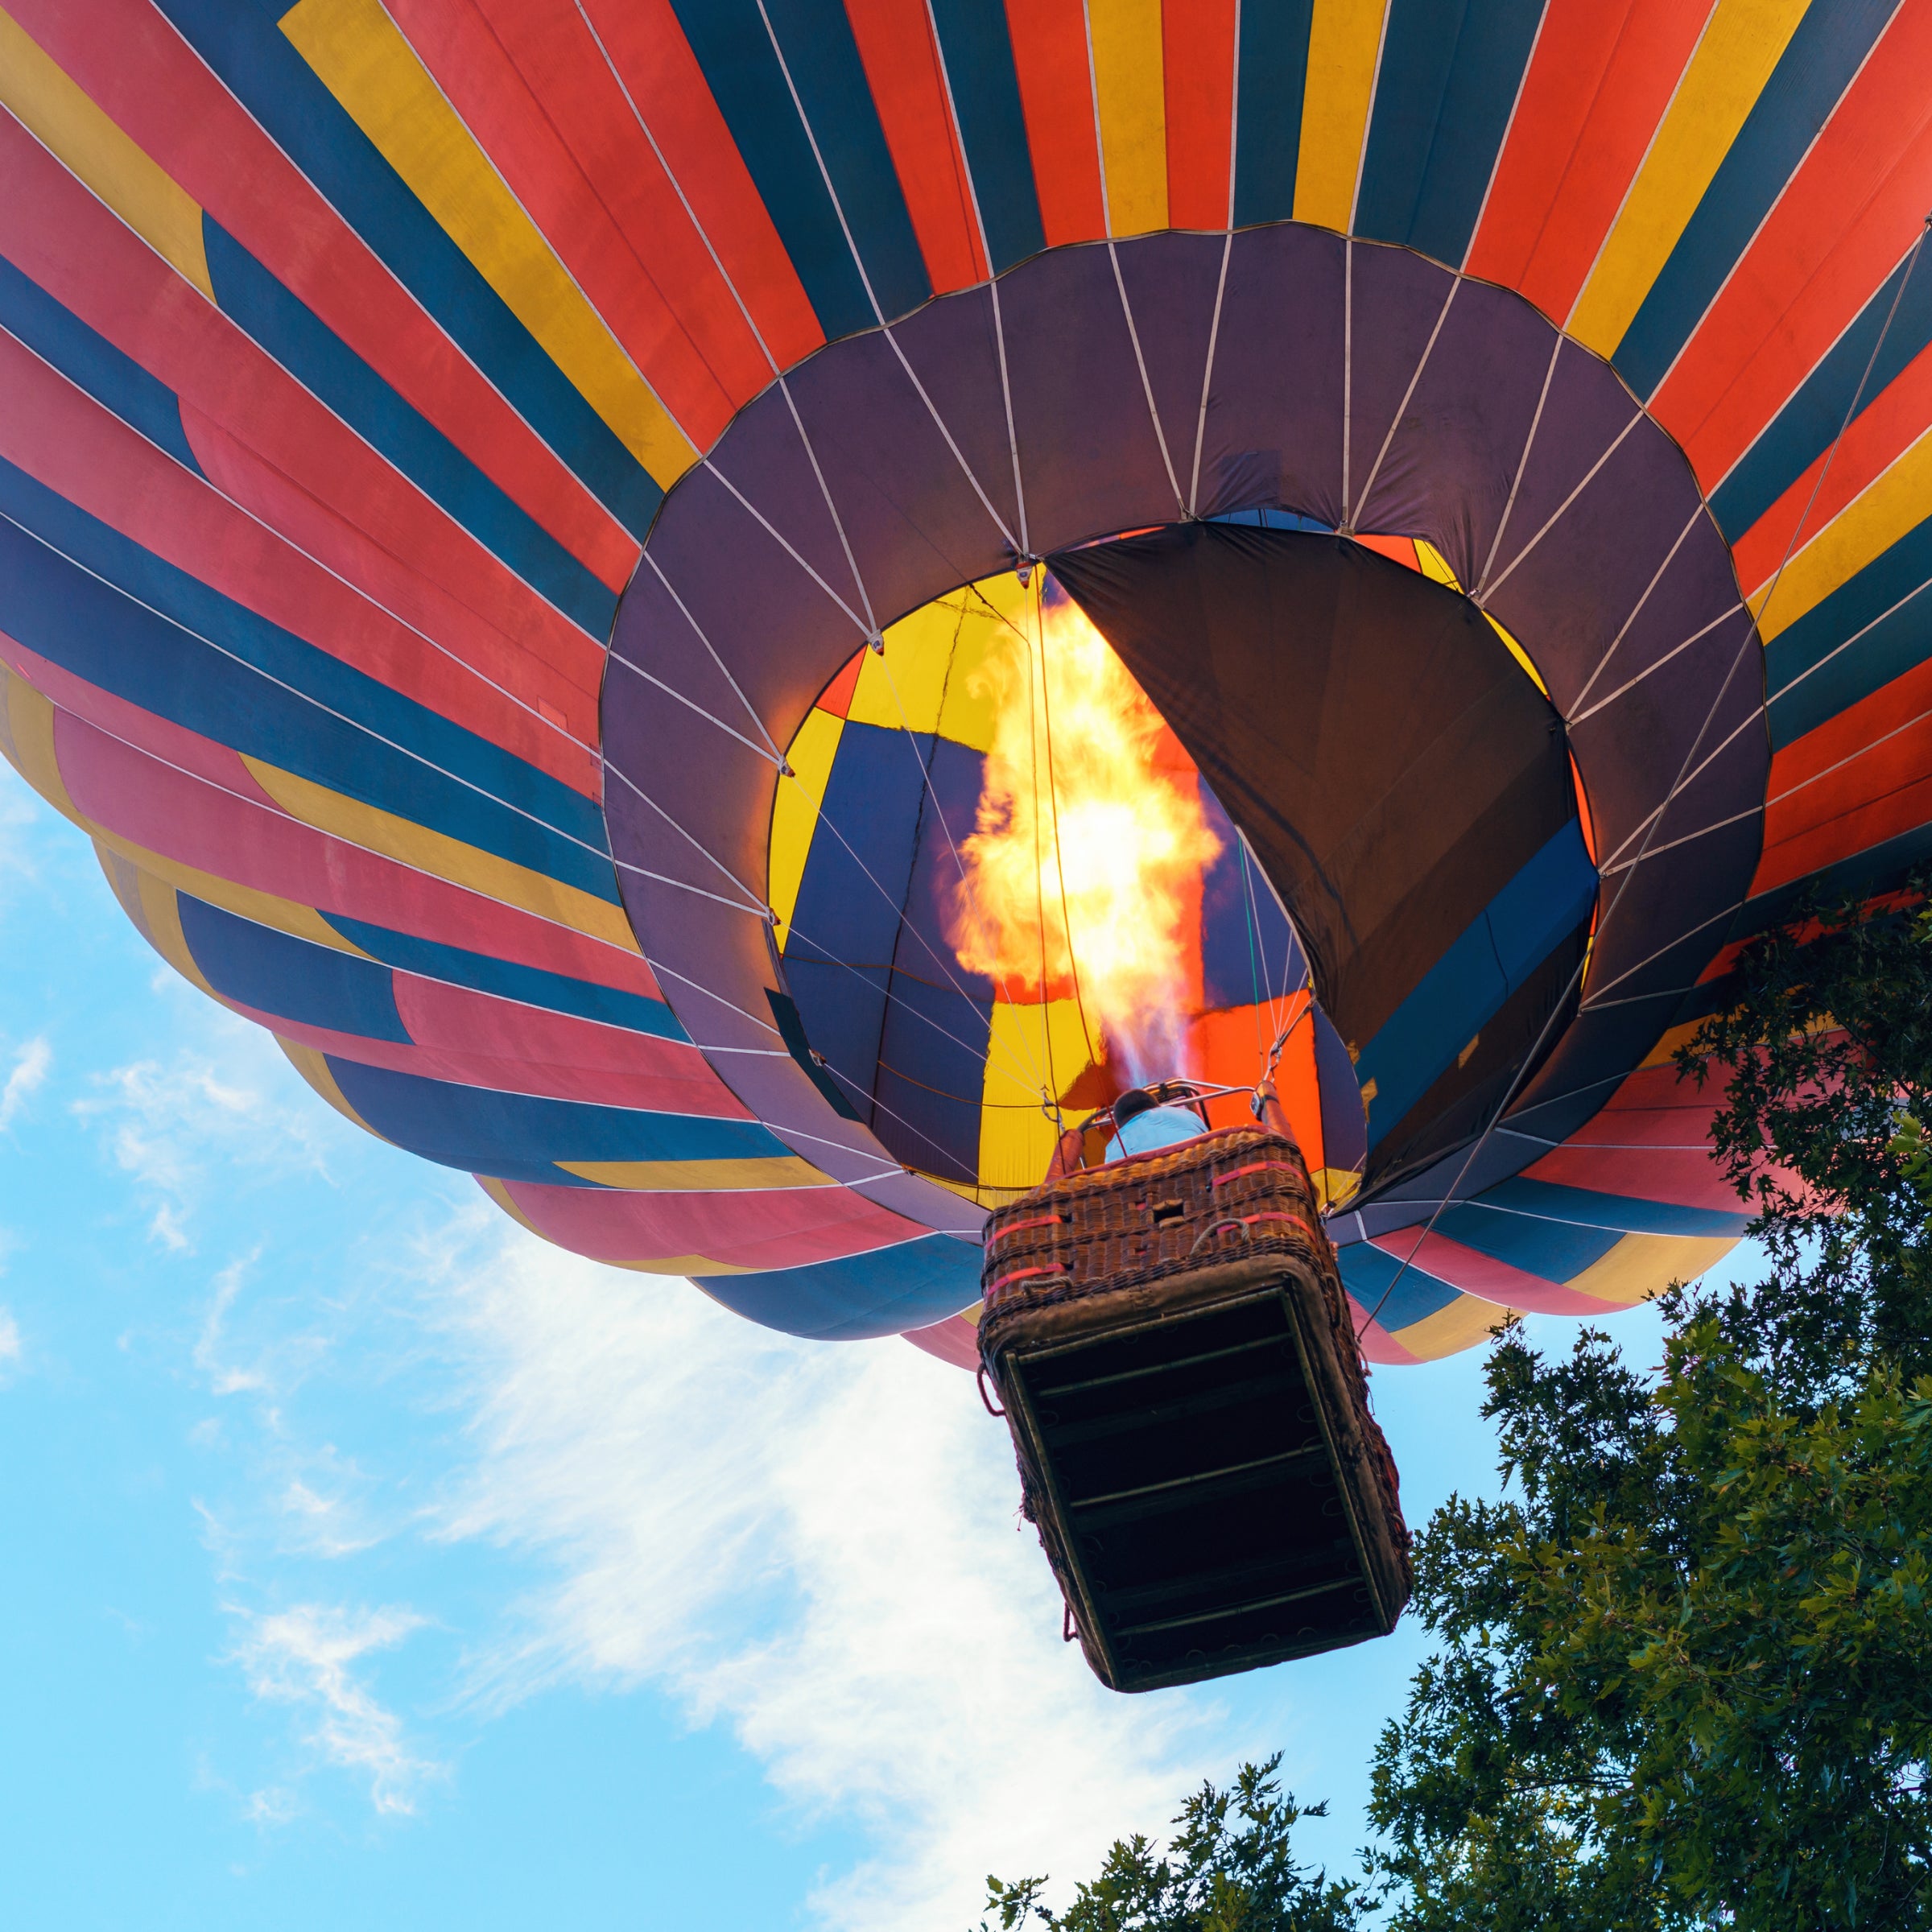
(1682, 1672)
(1228, 1868)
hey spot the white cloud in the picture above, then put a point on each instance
(223, 1377)
(303, 1656)
(10, 1340)
(166, 1127)
(301, 1497)
(319, 1525)
(817, 1544)
(27, 1076)
(274, 1804)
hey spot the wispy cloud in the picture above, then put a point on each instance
(167, 1127)
(274, 1804)
(303, 1497)
(304, 1656)
(25, 1078)
(9, 1342)
(223, 1376)
(816, 1544)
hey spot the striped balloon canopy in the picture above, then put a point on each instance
(513, 511)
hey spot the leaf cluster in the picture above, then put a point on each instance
(1229, 1868)
(1687, 1682)
(1684, 1669)
(1823, 1065)
(1682, 1672)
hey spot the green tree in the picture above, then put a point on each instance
(1228, 1868)
(1683, 1667)
(1684, 1672)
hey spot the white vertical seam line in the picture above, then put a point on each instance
(1502, 146)
(1523, 463)
(1154, 415)
(1562, 509)
(1099, 145)
(1375, 83)
(1777, 201)
(1455, 282)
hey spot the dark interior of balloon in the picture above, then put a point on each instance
(1376, 801)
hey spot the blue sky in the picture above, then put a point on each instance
(368, 1561)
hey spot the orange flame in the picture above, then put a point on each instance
(1089, 843)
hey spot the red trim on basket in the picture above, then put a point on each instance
(1040, 1220)
(1018, 1275)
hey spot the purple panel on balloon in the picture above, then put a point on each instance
(1108, 388)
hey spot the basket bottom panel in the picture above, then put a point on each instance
(1193, 1490)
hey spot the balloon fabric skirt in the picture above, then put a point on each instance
(1173, 1349)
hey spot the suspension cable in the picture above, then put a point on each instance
(1752, 632)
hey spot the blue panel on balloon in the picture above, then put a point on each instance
(516, 1137)
(511, 980)
(1248, 954)
(1589, 1209)
(911, 1285)
(853, 887)
(843, 1010)
(292, 979)
(1494, 956)
(91, 362)
(930, 1077)
(1558, 1251)
(1396, 1297)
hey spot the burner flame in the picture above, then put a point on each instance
(1082, 874)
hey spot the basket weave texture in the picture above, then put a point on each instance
(1241, 1191)
(1138, 1230)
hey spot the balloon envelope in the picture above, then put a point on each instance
(458, 458)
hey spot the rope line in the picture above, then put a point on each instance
(1037, 600)
(1402, 410)
(671, 590)
(751, 904)
(342, 717)
(710, 717)
(1481, 599)
(1036, 669)
(1750, 635)
(931, 790)
(1636, 611)
(1898, 295)
(1139, 361)
(792, 925)
(362, 594)
(1523, 463)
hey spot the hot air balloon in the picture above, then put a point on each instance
(523, 521)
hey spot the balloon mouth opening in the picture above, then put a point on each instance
(1067, 929)
(1007, 902)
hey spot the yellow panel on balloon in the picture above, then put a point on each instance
(934, 673)
(795, 812)
(1640, 1265)
(1466, 1322)
(1031, 1050)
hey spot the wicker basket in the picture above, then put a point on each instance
(1189, 1408)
